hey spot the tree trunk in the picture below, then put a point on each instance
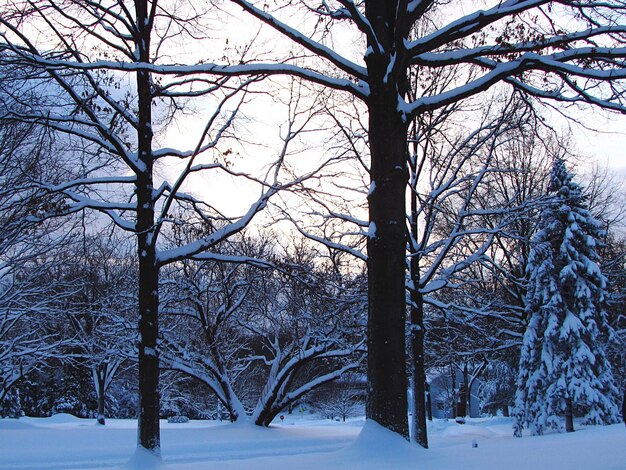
(505, 411)
(101, 398)
(149, 402)
(418, 375)
(569, 415)
(624, 406)
(233, 405)
(429, 403)
(386, 363)
(454, 390)
(219, 410)
(387, 402)
(466, 392)
(417, 362)
(148, 435)
(461, 405)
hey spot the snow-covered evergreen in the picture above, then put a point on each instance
(563, 366)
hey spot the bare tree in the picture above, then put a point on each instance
(282, 322)
(116, 121)
(100, 309)
(566, 51)
(30, 293)
(29, 306)
(514, 42)
(338, 402)
(202, 305)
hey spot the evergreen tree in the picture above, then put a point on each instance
(563, 365)
(11, 405)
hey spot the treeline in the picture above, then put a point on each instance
(265, 320)
(243, 338)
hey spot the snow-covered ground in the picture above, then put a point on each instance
(303, 443)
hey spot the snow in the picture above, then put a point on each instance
(304, 443)
(371, 231)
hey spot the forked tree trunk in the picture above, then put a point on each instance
(148, 435)
(231, 402)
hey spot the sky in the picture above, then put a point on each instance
(608, 148)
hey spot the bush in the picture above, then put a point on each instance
(178, 419)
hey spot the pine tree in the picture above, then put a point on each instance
(11, 405)
(563, 365)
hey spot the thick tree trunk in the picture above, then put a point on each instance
(149, 403)
(569, 416)
(387, 382)
(387, 78)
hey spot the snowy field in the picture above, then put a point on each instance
(301, 443)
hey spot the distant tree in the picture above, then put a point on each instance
(338, 402)
(539, 47)
(497, 388)
(100, 309)
(452, 226)
(30, 250)
(201, 307)
(563, 364)
(530, 45)
(607, 192)
(286, 323)
(127, 166)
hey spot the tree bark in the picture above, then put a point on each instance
(464, 393)
(624, 407)
(101, 397)
(429, 403)
(418, 375)
(453, 388)
(148, 435)
(387, 402)
(461, 405)
(387, 382)
(569, 415)
(417, 362)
